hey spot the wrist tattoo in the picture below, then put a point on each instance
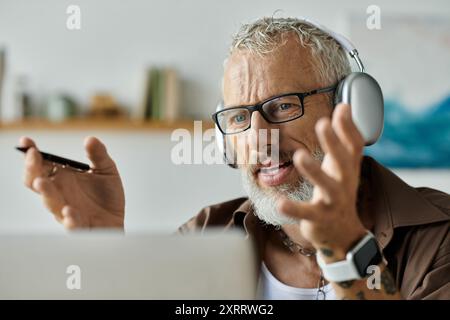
(388, 282)
(360, 295)
(327, 252)
(346, 284)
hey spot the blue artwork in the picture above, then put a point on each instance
(414, 139)
(410, 58)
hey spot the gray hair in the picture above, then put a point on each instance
(266, 34)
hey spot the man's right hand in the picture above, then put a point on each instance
(93, 199)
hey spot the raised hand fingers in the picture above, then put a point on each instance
(296, 209)
(51, 197)
(311, 169)
(26, 142)
(347, 131)
(34, 167)
(71, 219)
(97, 153)
(332, 145)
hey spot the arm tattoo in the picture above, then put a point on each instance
(388, 282)
(346, 284)
(327, 252)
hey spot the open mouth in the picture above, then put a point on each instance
(273, 169)
(274, 174)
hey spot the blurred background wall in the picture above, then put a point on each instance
(117, 41)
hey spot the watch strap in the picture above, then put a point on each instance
(344, 270)
(338, 271)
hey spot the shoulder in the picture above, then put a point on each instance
(439, 230)
(402, 204)
(418, 220)
(216, 215)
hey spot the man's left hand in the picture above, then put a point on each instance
(330, 220)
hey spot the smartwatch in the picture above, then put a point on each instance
(358, 259)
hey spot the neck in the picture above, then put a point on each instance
(293, 269)
(293, 232)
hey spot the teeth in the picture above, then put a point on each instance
(269, 170)
(273, 169)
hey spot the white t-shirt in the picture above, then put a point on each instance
(270, 288)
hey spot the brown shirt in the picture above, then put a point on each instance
(410, 224)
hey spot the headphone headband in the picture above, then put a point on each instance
(343, 41)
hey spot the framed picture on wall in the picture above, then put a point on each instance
(409, 56)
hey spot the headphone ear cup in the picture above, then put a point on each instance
(364, 94)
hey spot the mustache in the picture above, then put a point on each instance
(283, 156)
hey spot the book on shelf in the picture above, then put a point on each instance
(2, 73)
(144, 110)
(161, 95)
(172, 96)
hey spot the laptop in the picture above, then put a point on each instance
(108, 265)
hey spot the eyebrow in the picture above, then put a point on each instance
(261, 101)
(307, 93)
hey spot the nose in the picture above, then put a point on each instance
(260, 137)
(257, 122)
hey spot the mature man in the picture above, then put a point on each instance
(319, 199)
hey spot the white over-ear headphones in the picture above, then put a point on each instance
(358, 89)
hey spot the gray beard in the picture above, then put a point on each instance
(264, 201)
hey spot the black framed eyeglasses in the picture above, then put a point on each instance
(279, 109)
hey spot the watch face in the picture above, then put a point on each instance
(367, 255)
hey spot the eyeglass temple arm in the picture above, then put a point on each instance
(322, 90)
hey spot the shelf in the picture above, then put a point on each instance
(102, 124)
